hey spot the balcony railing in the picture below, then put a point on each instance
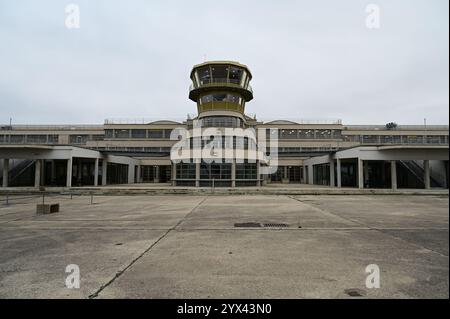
(217, 81)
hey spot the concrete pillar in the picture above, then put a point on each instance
(79, 171)
(339, 172)
(332, 173)
(258, 183)
(197, 174)
(130, 173)
(37, 173)
(139, 177)
(393, 175)
(233, 173)
(174, 174)
(366, 173)
(360, 173)
(104, 171)
(69, 173)
(52, 172)
(426, 174)
(285, 179)
(156, 174)
(96, 172)
(310, 174)
(5, 172)
(305, 176)
(42, 182)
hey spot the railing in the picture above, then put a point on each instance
(212, 82)
(302, 121)
(52, 127)
(398, 128)
(142, 120)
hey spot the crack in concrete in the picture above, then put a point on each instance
(120, 272)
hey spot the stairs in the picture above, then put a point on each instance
(418, 172)
(17, 170)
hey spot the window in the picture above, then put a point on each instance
(98, 137)
(17, 139)
(219, 97)
(235, 75)
(204, 75)
(185, 170)
(53, 139)
(246, 170)
(122, 133)
(37, 139)
(233, 98)
(221, 121)
(206, 98)
(78, 139)
(155, 133)
(138, 133)
(219, 73)
(109, 133)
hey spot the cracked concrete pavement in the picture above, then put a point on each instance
(181, 246)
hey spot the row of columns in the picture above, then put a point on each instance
(363, 171)
(233, 174)
(38, 175)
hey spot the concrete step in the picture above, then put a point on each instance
(220, 191)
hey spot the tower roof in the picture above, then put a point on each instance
(222, 62)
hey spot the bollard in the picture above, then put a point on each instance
(92, 198)
(7, 199)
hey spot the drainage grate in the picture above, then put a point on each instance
(275, 225)
(247, 225)
(355, 292)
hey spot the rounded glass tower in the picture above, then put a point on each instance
(221, 156)
(221, 89)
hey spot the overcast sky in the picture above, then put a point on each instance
(309, 59)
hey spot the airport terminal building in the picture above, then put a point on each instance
(307, 152)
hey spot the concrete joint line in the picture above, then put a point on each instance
(120, 272)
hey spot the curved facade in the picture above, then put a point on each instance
(220, 86)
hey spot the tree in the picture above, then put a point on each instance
(391, 125)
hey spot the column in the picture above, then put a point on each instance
(338, 171)
(233, 173)
(37, 173)
(310, 174)
(285, 179)
(360, 173)
(104, 171)
(366, 174)
(96, 172)
(305, 180)
(5, 172)
(139, 178)
(130, 173)
(258, 183)
(393, 175)
(42, 182)
(174, 174)
(156, 174)
(69, 173)
(332, 173)
(53, 172)
(426, 174)
(197, 174)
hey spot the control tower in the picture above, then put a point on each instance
(221, 89)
